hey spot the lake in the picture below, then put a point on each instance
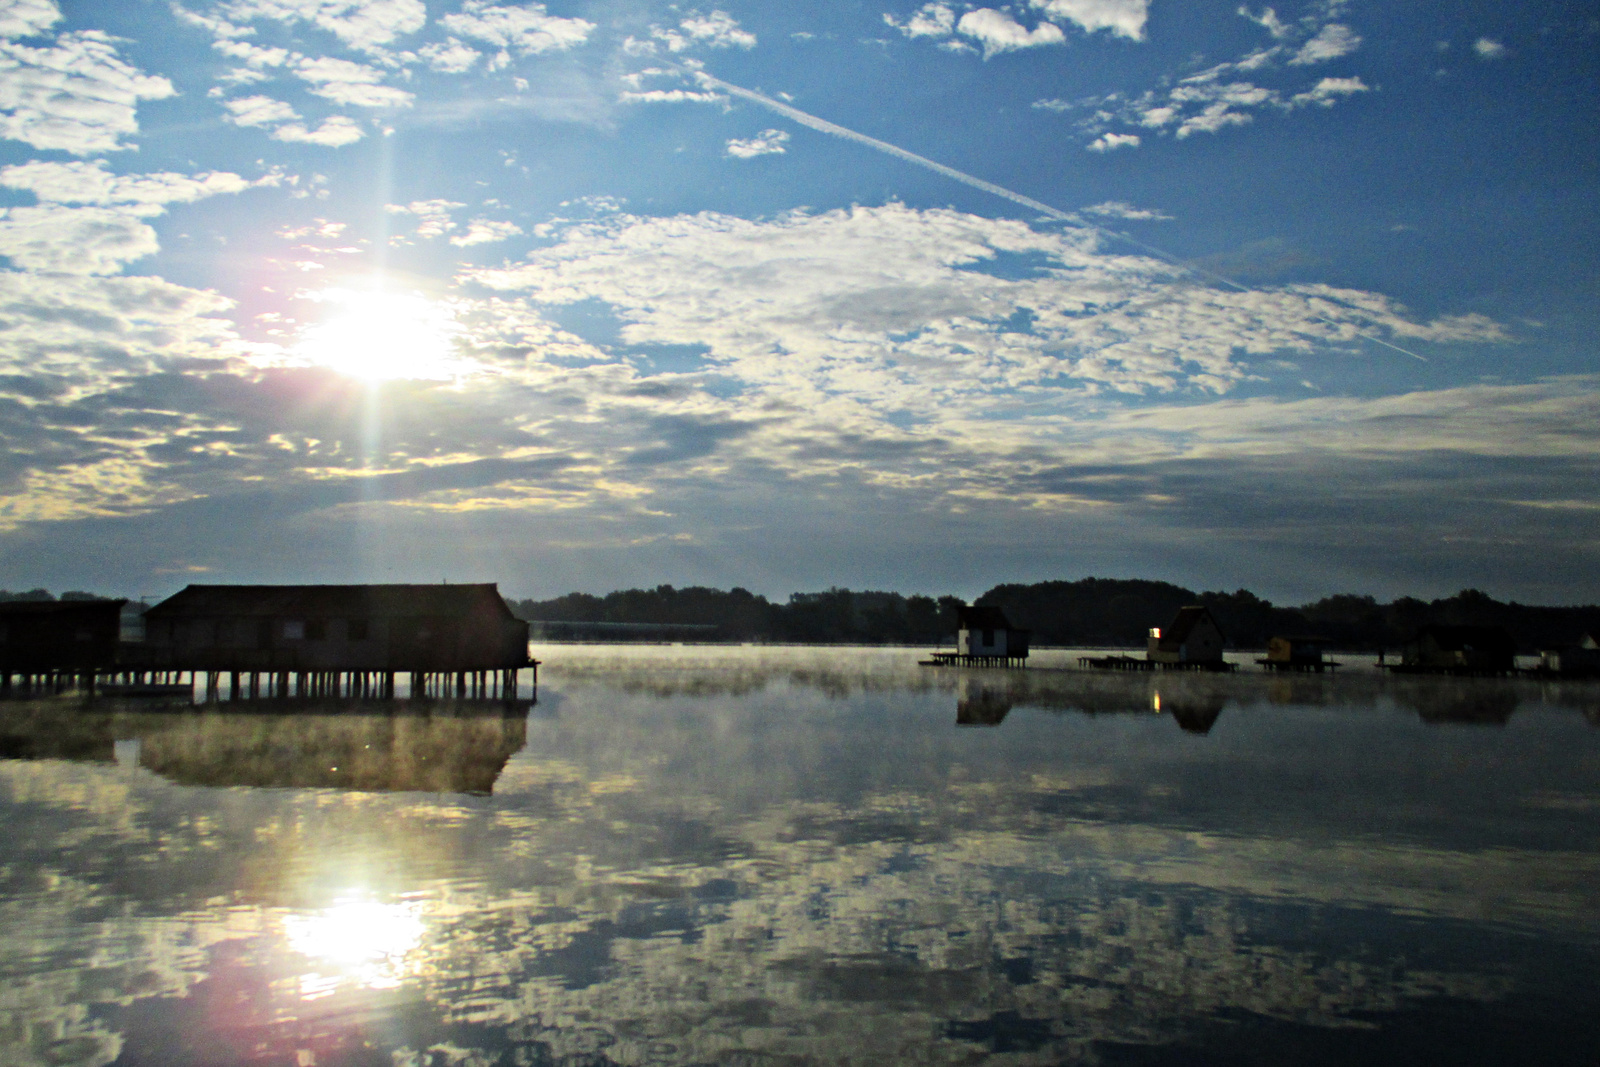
(753, 856)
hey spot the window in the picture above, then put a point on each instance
(294, 630)
(264, 633)
(317, 630)
(356, 630)
(1155, 632)
(988, 638)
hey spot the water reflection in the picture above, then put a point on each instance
(370, 748)
(807, 862)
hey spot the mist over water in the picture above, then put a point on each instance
(703, 855)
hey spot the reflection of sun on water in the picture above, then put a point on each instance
(363, 942)
(375, 335)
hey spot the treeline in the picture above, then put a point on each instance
(37, 595)
(1100, 612)
(840, 616)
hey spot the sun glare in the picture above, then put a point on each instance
(376, 336)
(363, 942)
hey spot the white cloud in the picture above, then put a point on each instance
(879, 309)
(765, 143)
(1269, 21)
(74, 240)
(527, 30)
(670, 96)
(1488, 48)
(999, 32)
(1329, 90)
(717, 30)
(367, 25)
(27, 18)
(451, 57)
(259, 111)
(333, 133)
(93, 183)
(352, 84)
(1331, 42)
(77, 96)
(931, 20)
(1108, 141)
(1119, 209)
(433, 216)
(1124, 18)
(485, 231)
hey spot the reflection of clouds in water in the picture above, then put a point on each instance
(818, 866)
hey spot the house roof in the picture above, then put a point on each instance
(1185, 622)
(332, 601)
(1462, 638)
(982, 617)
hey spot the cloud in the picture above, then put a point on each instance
(527, 30)
(93, 183)
(670, 96)
(28, 18)
(1109, 141)
(1269, 21)
(333, 133)
(716, 30)
(77, 96)
(451, 57)
(367, 25)
(999, 32)
(765, 143)
(1329, 90)
(485, 231)
(931, 20)
(433, 216)
(1124, 18)
(86, 240)
(351, 84)
(259, 111)
(1118, 209)
(1488, 48)
(1331, 42)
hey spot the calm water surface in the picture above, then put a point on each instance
(770, 856)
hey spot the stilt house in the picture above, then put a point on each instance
(348, 628)
(984, 631)
(1464, 649)
(1194, 637)
(59, 637)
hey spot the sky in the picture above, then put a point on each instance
(591, 295)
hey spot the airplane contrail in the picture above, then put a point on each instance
(822, 125)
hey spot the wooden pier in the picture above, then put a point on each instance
(963, 659)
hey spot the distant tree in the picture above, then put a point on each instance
(32, 594)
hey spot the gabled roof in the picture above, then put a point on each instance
(982, 617)
(332, 601)
(1185, 622)
(1462, 638)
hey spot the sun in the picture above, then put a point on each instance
(377, 336)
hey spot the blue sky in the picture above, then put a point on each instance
(562, 296)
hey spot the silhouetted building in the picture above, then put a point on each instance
(1460, 649)
(985, 631)
(58, 637)
(1193, 639)
(335, 628)
(1581, 660)
(1297, 654)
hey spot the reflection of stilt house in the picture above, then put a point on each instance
(1298, 654)
(462, 637)
(47, 645)
(984, 639)
(1194, 640)
(1460, 650)
(978, 704)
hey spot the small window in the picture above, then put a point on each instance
(316, 630)
(84, 634)
(1155, 632)
(356, 630)
(264, 633)
(988, 638)
(294, 630)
